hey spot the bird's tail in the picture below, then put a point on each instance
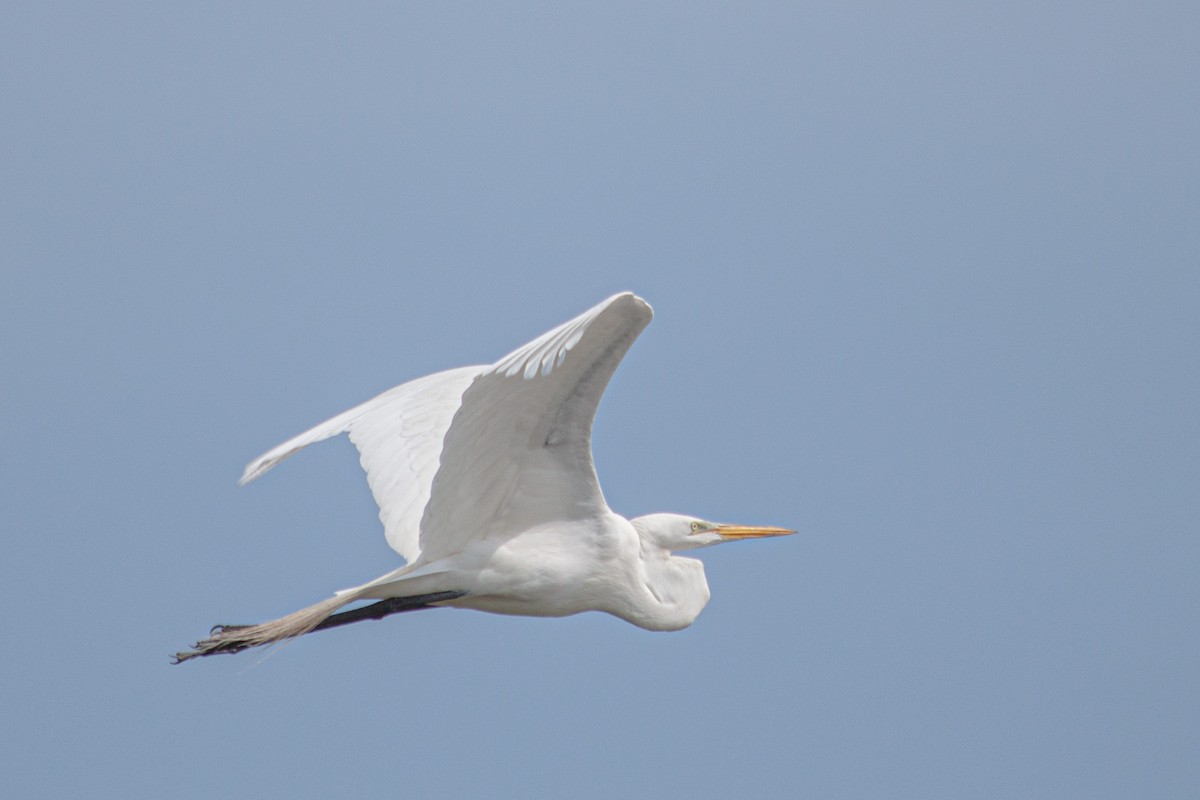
(235, 638)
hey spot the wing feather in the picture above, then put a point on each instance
(518, 451)
(486, 451)
(399, 438)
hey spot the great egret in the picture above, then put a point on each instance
(485, 486)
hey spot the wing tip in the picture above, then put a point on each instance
(260, 465)
(252, 471)
(632, 302)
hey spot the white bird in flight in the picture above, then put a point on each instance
(486, 487)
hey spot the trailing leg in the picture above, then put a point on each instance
(235, 638)
(383, 608)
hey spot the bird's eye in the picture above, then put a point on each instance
(696, 527)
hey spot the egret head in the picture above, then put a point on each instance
(677, 532)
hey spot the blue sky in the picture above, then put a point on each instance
(927, 287)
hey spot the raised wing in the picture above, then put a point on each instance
(399, 439)
(518, 451)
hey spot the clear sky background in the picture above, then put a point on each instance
(927, 284)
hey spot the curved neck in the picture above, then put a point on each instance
(673, 592)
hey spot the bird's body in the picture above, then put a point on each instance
(485, 484)
(554, 570)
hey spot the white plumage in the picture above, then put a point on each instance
(485, 485)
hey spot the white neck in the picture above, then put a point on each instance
(672, 591)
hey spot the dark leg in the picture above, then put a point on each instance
(235, 638)
(393, 605)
